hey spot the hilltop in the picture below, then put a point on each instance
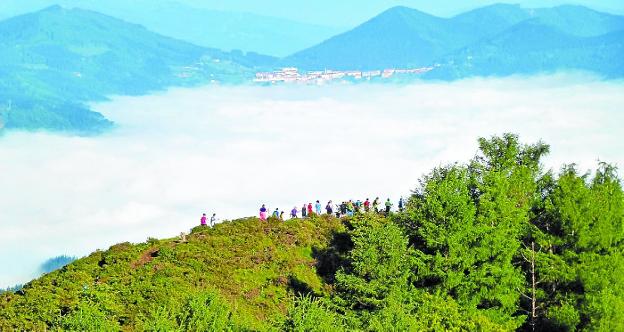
(223, 30)
(494, 40)
(492, 244)
(254, 267)
(55, 60)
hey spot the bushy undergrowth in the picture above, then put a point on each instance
(496, 244)
(253, 269)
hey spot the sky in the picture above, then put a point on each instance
(343, 13)
(227, 150)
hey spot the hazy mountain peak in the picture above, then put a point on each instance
(498, 7)
(53, 8)
(406, 13)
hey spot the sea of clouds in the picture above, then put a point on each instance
(227, 150)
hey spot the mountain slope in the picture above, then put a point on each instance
(574, 20)
(491, 20)
(578, 20)
(208, 28)
(403, 37)
(532, 47)
(254, 266)
(225, 30)
(455, 259)
(398, 36)
(56, 59)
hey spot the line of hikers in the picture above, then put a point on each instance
(213, 220)
(346, 208)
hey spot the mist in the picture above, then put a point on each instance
(227, 150)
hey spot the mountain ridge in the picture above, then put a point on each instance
(464, 254)
(58, 59)
(208, 28)
(423, 40)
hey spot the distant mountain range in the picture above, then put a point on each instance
(55, 60)
(209, 28)
(227, 31)
(494, 40)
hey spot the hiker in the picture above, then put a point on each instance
(276, 213)
(213, 219)
(401, 204)
(350, 208)
(343, 208)
(203, 220)
(376, 205)
(281, 216)
(304, 210)
(263, 213)
(358, 206)
(329, 208)
(293, 213)
(317, 207)
(310, 210)
(388, 206)
(367, 205)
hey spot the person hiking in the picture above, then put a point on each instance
(329, 208)
(213, 219)
(376, 205)
(388, 206)
(343, 208)
(367, 205)
(304, 210)
(317, 207)
(276, 213)
(358, 206)
(203, 220)
(293, 213)
(401, 204)
(263, 213)
(281, 216)
(310, 210)
(350, 208)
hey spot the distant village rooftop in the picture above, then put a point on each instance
(292, 75)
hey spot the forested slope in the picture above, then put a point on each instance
(494, 244)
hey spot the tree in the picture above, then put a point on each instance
(466, 225)
(379, 265)
(579, 228)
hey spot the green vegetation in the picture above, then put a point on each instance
(496, 244)
(55, 61)
(496, 40)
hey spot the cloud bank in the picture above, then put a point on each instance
(229, 149)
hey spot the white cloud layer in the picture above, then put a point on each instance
(229, 149)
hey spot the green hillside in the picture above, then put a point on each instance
(493, 244)
(496, 40)
(532, 47)
(55, 60)
(253, 267)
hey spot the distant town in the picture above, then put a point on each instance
(292, 75)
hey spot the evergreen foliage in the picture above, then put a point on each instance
(496, 244)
